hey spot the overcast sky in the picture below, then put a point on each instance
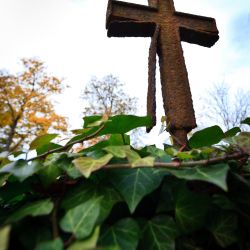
(70, 37)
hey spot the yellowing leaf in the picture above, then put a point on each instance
(4, 237)
(87, 165)
(144, 162)
(118, 151)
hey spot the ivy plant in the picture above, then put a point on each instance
(111, 196)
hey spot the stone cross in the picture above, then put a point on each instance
(167, 28)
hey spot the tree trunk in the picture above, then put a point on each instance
(11, 135)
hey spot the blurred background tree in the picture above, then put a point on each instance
(107, 96)
(224, 107)
(25, 108)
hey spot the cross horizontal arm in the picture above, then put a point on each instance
(197, 29)
(123, 11)
(131, 29)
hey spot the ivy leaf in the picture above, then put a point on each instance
(190, 210)
(56, 244)
(159, 154)
(206, 137)
(114, 140)
(88, 190)
(121, 124)
(46, 147)
(88, 120)
(136, 161)
(223, 202)
(89, 243)
(87, 165)
(4, 237)
(81, 220)
(33, 209)
(224, 228)
(50, 172)
(243, 141)
(134, 184)
(153, 150)
(133, 157)
(215, 174)
(159, 234)
(246, 121)
(125, 233)
(21, 169)
(144, 162)
(118, 151)
(78, 195)
(42, 141)
(232, 132)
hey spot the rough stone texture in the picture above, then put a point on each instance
(129, 19)
(151, 97)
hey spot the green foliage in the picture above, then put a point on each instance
(111, 196)
(81, 219)
(159, 233)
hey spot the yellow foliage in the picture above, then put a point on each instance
(25, 108)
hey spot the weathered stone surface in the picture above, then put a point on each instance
(129, 19)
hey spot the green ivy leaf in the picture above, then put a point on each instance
(81, 220)
(87, 165)
(215, 174)
(206, 137)
(114, 140)
(121, 124)
(4, 237)
(223, 202)
(88, 190)
(224, 228)
(190, 210)
(88, 120)
(21, 169)
(159, 234)
(46, 147)
(36, 208)
(88, 244)
(51, 171)
(125, 233)
(134, 184)
(42, 140)
(159, 154)
(56, 244)
(232, 132)
(246, 121)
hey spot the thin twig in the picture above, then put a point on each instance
(177, 164)
(69, 240)
(67, 145)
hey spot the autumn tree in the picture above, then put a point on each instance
(107, 96)
(25, 108)
(226, 108)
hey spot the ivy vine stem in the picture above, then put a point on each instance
(177, 164)
(67, 146)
